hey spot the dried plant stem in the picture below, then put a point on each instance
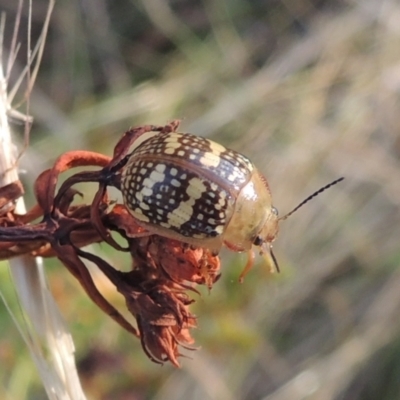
(44, 328)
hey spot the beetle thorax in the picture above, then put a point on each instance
(253, 218)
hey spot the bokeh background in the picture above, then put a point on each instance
(310, 91)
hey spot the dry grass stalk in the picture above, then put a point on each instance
(42, 328)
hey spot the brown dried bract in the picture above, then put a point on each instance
(163, 271)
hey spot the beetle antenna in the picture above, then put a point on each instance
(311, 197)
(276, 265)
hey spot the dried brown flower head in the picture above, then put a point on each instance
(163, 270)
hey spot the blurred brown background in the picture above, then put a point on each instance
(310, 91)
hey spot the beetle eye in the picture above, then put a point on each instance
(258, 241)
(274, 210)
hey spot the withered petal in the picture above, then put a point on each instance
(10, 193)
(163, 270)
(46, 183)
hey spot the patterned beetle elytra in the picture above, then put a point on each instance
(191, 189)
(194, 190)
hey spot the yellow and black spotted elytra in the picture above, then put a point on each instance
(189, 188)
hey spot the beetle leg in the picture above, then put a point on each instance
(248, 266)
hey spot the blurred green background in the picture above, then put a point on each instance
(310, 91)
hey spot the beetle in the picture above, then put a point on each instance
(194, 190)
